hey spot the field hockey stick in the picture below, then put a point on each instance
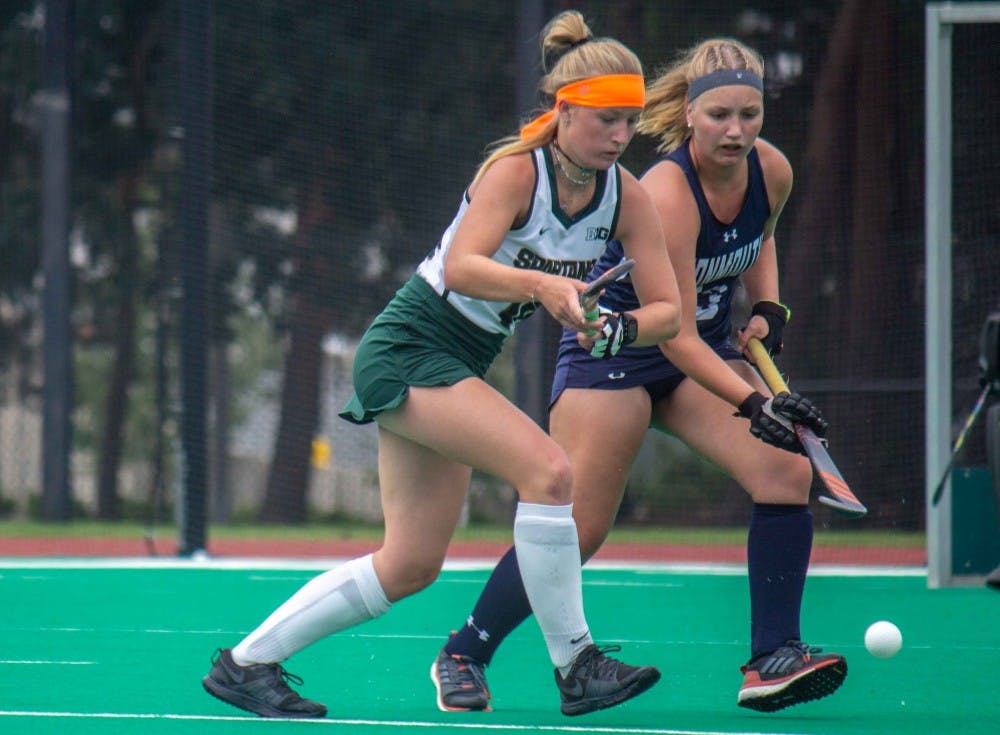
(989, 366)
(588, 299)
(838, 493)
(963, 434)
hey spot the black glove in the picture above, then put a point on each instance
(772, 419)
(619, 330)
(776, 315)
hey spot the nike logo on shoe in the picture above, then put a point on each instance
(597, 681)
(573, 691)
(233, 669)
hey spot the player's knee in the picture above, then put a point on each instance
(559, 481)
(786, 480)
(797, 476)
(551, 482)
(411, 577)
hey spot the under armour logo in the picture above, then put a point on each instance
(731, 235)
(482, 634)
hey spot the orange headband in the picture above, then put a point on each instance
(608, 90)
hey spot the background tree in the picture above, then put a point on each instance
(20, 197)
(119, 50)
(343, 137)
(369, 159)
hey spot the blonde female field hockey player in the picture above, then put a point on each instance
(719, 190)
(529, 228)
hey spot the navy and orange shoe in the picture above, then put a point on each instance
(461, 684)
(791, 675)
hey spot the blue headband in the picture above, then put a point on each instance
(723, 78)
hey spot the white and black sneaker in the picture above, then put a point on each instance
(598, 681)
(259, 688)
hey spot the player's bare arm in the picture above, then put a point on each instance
(677, 210)
(761, 280)
(653, 277)
(499, 200)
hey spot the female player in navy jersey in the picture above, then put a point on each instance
(719, 190)
(529, 228)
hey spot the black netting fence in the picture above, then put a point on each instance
(286, 164)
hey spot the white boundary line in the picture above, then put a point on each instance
(311, 564)
(475, 726)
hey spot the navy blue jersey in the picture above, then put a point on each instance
(724, 250)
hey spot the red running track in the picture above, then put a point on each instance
(680, 553)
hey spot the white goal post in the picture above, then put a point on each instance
(940, 21)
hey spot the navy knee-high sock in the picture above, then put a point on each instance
(502, 606)
(779, 543)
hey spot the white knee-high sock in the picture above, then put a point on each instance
(333, 601)
(548, 553)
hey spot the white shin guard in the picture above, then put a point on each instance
(333, 601)
(548, 553)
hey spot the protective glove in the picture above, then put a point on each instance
(772, 419)
(619, 330)
(776, 315)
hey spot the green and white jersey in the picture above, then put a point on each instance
(549, 241)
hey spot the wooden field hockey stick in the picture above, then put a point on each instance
(838, 492)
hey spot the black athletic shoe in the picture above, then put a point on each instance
(597, 681)
(993, 579)
(461, 684)
(791, 675)
(258, 688)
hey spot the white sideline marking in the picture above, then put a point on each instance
(9, 662)
(382, 723)
(313, 564)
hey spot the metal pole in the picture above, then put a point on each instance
(55, 106)
(196, 120)
(537, 337)
(939, 21)
(938, 289)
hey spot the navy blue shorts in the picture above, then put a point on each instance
(642, 366)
